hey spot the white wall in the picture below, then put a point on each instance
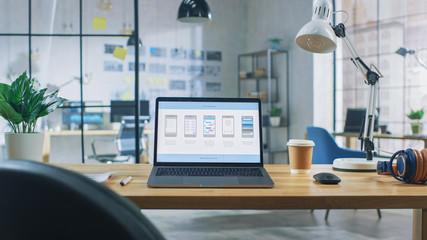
(283, 19)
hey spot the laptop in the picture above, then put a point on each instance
(208, 142)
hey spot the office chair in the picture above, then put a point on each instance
(326, 150)
(40, 201)
(125, 143)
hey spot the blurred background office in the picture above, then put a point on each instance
(70, 46)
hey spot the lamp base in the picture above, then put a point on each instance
(355, 165)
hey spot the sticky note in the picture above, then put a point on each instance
(127, 79)
(164, 80)
(127, 95)
(120, 53)
(157, 80)
(150, 80)
(198, 53)
(99, 23)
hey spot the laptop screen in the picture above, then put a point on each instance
(201, 130)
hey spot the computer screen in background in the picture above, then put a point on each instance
(71, 113)
(120, 109)
(354, 120)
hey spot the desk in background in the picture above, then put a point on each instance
(356, 191)
(69, 133)
(350, 138)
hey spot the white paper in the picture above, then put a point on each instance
(99, 177)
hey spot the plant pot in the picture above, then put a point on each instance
(417, 128)
(275, 45)
(275, 121)
(27, 146)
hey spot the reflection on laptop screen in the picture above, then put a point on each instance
(208, 132)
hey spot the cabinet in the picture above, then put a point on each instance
(264, 75)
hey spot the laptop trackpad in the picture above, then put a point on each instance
(210, 181)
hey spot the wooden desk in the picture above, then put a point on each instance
(48, 135)
(349, 136)
(356, 191)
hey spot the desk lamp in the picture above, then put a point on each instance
(319, 36)
(403, 51)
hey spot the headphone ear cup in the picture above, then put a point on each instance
(409, 163)
(424, 156)
(401, 165)
(418, 166)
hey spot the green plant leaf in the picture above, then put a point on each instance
(24, 102)
(4, 92)
(9, 114)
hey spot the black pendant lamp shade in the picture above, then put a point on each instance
(194, 11)
(132, 40)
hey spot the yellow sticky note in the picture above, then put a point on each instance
(127, 79)
(133, 79)
(150, 80)
(157, 80)
(120, 53)
(99, 23)
(198, 53)
(165, 80)
(127, 95)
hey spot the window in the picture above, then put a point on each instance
(379, 28)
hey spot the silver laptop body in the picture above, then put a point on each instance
(208, 142)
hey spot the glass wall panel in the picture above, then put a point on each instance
(379, 34)
(55, 17)
(14, 16)
(108, 17)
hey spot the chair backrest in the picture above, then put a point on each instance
(326, 150)
(126, 138)
(40, 201)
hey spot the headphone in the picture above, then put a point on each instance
(410, 166)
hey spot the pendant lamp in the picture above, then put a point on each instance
(194, 11)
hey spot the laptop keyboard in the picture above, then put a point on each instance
(212, 172)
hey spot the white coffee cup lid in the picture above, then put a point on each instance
(300, 142)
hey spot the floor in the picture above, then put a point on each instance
(283, 224)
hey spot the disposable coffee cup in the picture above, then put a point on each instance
(300, 155)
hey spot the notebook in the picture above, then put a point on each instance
(208, 142)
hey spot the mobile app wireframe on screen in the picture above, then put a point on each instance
(208, 132)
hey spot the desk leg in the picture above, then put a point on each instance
(46, 148)
(425, 143)
(350, 142)
(419, 225)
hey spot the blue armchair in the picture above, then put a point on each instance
(326, 149)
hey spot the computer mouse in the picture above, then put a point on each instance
(327, 178)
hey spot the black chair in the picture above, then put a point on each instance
(125, 143)
(40, 201)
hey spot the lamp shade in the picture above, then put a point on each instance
(132, 40)
(194, 11)
(317, 36)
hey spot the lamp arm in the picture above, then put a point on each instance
(371, 79)
(420, 61)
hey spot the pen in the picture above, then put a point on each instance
(126, 181)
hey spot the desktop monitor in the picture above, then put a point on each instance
(120, 109)
(71, 114)
(354, 120)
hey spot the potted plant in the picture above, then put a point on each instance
(274, 43)
(275, 116)
(416, 125)
(22, 103)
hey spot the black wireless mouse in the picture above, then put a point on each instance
(327, 178)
